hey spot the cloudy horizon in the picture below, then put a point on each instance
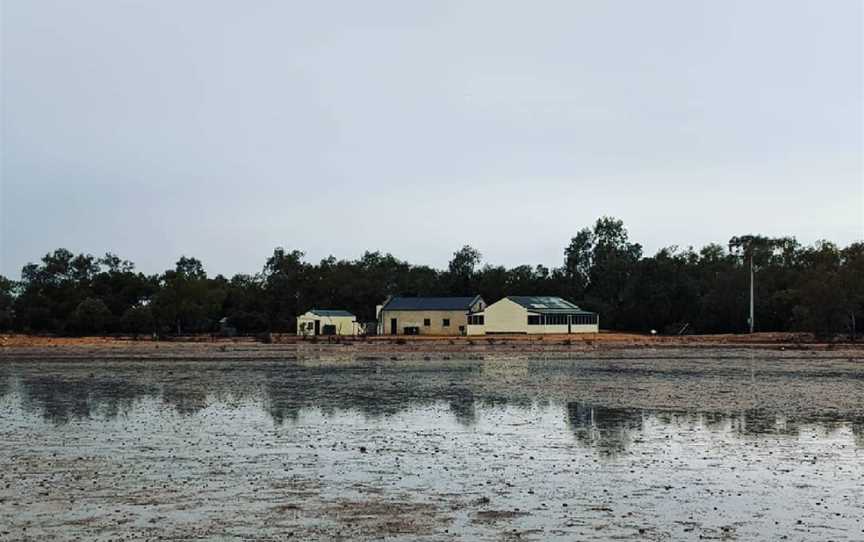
(221, 130)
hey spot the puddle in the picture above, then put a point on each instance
(729, 449)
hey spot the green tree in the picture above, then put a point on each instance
(137, 320)
(7, 300)
(285, 276)
(461, 270)
(464, 261)
(614, 260)
(851, 279)
(91, 316)
(187, 301)
(578, 260)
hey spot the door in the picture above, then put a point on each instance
(317, 327)
(393, 326)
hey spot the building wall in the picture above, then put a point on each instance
(415, 319)
(563, 329)
(345, 325)
(507, 316)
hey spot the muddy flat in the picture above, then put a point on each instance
(642, 444)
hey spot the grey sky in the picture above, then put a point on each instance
(223, 129)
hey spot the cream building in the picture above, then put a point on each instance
(533, 314)
(327, 322)
(427, 315)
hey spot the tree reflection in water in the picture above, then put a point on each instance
(5, 379)
(61, 399)
(608, 429)
(613, 430)
(464, 390)
(368, 390)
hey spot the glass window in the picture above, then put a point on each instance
(427, 322)
(446, 322)
(584, 319)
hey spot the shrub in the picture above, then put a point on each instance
(91, 316)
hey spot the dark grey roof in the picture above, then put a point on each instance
(430, 303)
(329, 312)
(546, 304)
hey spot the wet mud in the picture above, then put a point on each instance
(711, 444)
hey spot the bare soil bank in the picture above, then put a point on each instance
(289, 347)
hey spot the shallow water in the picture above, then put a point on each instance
(532, 450)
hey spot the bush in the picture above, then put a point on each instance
(91, 316)
(138, 320)
(248, 322)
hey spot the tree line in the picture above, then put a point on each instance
(818, 288)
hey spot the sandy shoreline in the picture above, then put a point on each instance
(287, 347)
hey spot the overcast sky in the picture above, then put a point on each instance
(221, 129)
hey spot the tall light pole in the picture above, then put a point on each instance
(748, 245)
(752, 288)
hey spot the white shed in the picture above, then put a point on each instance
(327, 322)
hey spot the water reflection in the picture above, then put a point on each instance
(186, 400)
(613, 430)
(465, 391)
(463, 407)
(4, 382)
(60, 399)
(607, 429)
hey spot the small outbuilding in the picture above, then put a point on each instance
(533, 314)
(427, 315)
(326, 322)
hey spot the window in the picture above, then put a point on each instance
(446, 322)
(584, 319)
(557, 319)
(476, 320)
(533, 319)
(427, 322)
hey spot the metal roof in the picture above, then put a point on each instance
(330, 312)
(430, 303)
(546, 304)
